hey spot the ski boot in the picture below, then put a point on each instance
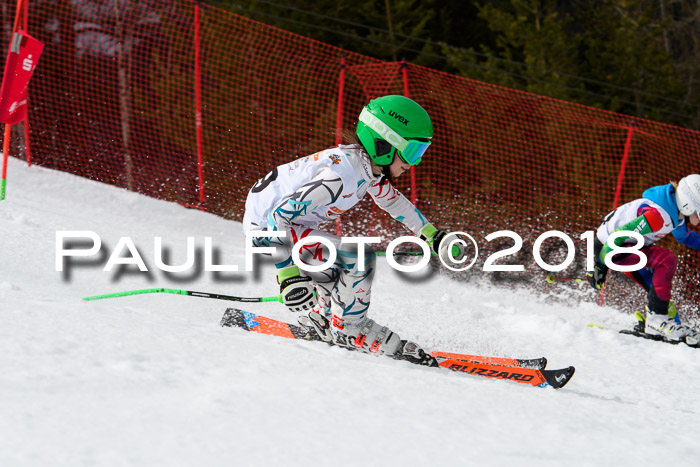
(666, 327)
(641, 318)
(366, 336)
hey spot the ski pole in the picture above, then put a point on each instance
(404, 253)
(274, 298)
(551, 278)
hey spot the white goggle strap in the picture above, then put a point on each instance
(383, 130)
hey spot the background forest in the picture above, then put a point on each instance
(637, 57)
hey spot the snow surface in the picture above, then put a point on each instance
(153, 380)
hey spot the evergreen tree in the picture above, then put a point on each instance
(639, 57)
(534, 47)
(611, 56)
(623, 47)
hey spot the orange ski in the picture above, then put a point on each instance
(535, 363)
(531, 376)
(527, 371)
(263, 325)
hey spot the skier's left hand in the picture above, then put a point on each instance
(596, 277)
(298, 293)
(435, 239)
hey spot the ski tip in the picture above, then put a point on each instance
(558, 378)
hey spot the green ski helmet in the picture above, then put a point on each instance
(393, 125)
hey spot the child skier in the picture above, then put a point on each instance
(392, 135)
(661, 210)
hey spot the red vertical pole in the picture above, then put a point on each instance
(404, 72)
(618, 188)
(5, 153)
(8, 127)
(27, 145)
(339, 126)
(25, 13)
(623, 165)
(339, 113)
(198, 107)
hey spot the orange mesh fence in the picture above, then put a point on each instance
(189, 103)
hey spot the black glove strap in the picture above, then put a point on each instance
(293, 280)
(437, 240)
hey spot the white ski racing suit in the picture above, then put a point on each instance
(299, 196)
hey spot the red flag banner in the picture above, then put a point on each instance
(21, 60)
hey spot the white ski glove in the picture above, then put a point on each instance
(298, 293)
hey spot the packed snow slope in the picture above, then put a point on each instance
(153, 380)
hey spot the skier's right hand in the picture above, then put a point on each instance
(298, 293)
(596, 277)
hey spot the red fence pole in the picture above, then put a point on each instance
(8, 127)
(27, 146)
(618, 188)
(623, 165)
(339, 125)
(404, 72)
(198, 107)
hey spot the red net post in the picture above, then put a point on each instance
(404, 79)
(618, 188)
(339, 127)
(198, 106)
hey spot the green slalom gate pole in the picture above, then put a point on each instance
(274, 298)
(405, 253)
(401, 253)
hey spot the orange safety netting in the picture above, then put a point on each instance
(123, 85)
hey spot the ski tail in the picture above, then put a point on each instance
(534, 363)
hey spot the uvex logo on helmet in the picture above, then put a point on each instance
(381, 128)
(398, 117)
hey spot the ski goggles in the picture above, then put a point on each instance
(413, 151)
(410, 151)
